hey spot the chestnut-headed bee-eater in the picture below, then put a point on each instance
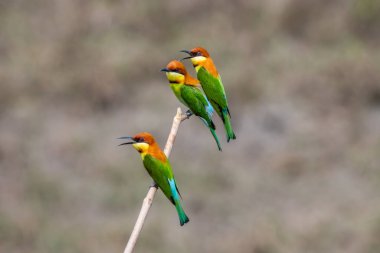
(187, 90)
(212, 85)
(158, 167)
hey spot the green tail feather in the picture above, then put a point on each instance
(181, 214)
(216, 138)
(227, 125)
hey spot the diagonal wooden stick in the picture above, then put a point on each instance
(147, 203)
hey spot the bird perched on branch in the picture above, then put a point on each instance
(187, 90)
(212, 85)
(158, 167)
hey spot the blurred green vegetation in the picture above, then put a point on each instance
(303, 85)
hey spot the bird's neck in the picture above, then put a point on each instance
(191, 81)
(209, 65)
(156, 152)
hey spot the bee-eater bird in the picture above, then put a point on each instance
(187, 90)
(158, 167)
(212, 85)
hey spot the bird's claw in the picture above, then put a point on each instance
(153, 185)
(188, 114)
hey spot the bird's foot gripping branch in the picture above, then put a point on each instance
(188, 114)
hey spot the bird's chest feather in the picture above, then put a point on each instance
(176, 88)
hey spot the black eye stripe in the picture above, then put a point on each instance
(141, 139)
(179, 71)
(195, 54)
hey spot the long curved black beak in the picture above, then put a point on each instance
(128, 138)
(165, 70)
(187, 52)
(185, 58)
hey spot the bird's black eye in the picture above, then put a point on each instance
(199, 54)
(176, 70)
(141, 139)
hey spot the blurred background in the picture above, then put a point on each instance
(303, 83)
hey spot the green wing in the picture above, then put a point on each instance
(200, 106)
(213, 88)
(197, 102)
(160, 172)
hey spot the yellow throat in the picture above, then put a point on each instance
(197, 62)
(175, 77)
(142, 148)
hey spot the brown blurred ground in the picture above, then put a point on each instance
(303, 82)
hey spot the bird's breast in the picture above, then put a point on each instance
(176, 88)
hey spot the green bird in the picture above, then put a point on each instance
(187, 90)
(158, 167)
(212, 85)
